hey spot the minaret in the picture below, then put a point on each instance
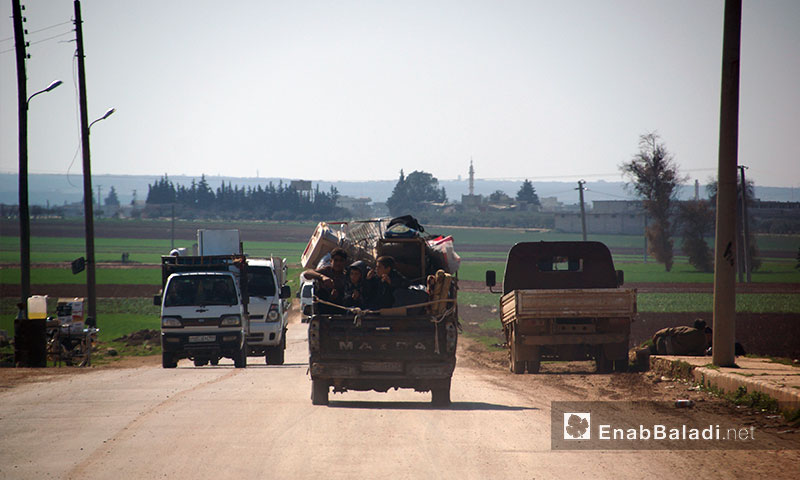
(471, 178)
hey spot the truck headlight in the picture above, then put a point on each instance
(230, 321)
(171, 322)
(272, 316)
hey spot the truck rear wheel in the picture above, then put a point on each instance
(535, 362)
(440, 396)
(621, 365)
(168, 360)
(604, 365)
(199, 362)
(319, 392)
(516, 366)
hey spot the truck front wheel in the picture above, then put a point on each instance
(319, 392)
(240, 359)
(168, 360)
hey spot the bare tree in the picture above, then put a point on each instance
(653, 176)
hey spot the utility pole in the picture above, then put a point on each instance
(745, 226)
(645, 236)
(580, 188)
(172, 236)
(22, 105)
(88, 209)
(725, 241)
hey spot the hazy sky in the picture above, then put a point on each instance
(360, 89)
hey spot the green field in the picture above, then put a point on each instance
(674, 302)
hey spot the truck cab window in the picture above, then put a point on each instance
(260, 282)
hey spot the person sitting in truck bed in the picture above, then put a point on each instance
(354, 288)
(332, 278)
(382, 281)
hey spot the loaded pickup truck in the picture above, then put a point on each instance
(402, 347)
(563, 300)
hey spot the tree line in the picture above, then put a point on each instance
(269, 201)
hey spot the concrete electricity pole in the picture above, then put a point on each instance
(580, 189)
(22, 103)
(88, 209)
(725, 242)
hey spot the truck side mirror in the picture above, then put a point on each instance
(157, 300)
(286, 292)
(491, 278)
(620, 278)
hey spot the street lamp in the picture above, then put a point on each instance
(105, 115)
(88, 212)
(52, 86)
(24, 211)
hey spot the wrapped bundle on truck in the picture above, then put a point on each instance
(411, 344)
(562, 300)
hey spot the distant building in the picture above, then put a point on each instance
(358, 206)
(606, 217)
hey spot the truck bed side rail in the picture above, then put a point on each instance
(597, 302)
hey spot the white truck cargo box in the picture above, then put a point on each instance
(218, 242)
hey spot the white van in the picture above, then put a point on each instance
(268, 309)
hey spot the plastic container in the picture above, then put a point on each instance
(322, 241)
(37, 307)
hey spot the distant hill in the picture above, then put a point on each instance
(60, 189)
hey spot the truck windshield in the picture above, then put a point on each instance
(201, 290)
(260, 282)
(308, 291)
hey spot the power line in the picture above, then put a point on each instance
(40, 41)
(40, 30)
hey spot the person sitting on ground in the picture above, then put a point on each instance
(332, 278)
(681, 340)
(354, 287)
(382, 281)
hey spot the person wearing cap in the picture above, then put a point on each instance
(354, 287)
(331, 278)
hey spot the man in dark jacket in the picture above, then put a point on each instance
(331, 278)
(382, 281)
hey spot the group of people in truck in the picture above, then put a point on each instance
(357, 285)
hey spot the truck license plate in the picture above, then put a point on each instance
(382, 367)
(201, 338)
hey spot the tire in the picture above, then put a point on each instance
(280, 352)
(536, 362)
(621, 365)
(516, 366)
(240, 360)
(168, 360)
(440, 396)
(319, 392)
(214, 361)
(604, 365)
(199, 362)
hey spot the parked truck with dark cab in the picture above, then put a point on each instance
(403, 347)
(563, 300)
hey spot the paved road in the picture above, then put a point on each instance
(258, 422)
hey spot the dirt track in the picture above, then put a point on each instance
(221, 422)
